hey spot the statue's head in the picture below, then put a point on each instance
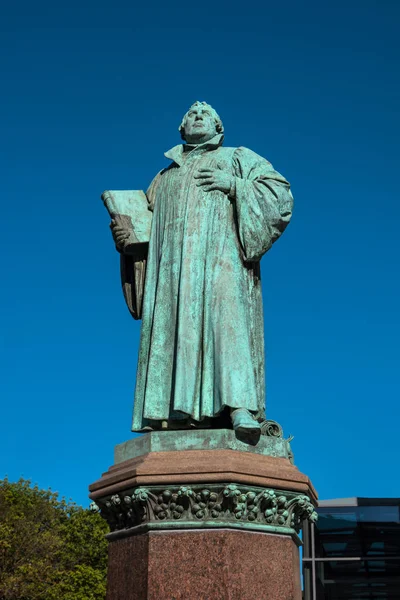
(200, 124)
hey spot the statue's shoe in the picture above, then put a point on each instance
(247, 429)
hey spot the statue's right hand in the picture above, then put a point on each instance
(121, 235)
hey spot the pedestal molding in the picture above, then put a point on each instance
(202, 467)
(213, 506)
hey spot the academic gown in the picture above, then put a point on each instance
(202, 336)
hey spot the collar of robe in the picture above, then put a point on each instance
(177, 152)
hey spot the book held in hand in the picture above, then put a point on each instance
(130, 208)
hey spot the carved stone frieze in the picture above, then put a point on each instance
(218, 505)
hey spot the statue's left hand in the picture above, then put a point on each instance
(121, 235)
(214, 179)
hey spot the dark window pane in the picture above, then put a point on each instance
(356, 580)
(349, 533)
(381, 514)
(360, 546)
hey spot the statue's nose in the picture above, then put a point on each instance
(198, 117)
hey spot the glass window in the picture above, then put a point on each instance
(356, 580)
(363, 531)
(357, 553)
(380, 514)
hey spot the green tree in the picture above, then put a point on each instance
(50, 549)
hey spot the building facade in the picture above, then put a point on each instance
(353, 551)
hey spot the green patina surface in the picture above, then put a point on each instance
(184, 526)
(216, 211)
(199, 506)
(198, 439)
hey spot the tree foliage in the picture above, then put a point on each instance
(50, 549)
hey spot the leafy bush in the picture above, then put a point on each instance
(50, 549)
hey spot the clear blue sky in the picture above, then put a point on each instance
(92, 95)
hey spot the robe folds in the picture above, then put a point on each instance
(202, 336)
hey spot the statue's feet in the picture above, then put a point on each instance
(247, 429)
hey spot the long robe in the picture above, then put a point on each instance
(202, 337)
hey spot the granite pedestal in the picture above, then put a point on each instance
(201, 517)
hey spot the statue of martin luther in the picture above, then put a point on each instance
(216, 212)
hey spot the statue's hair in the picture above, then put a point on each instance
(218, 123)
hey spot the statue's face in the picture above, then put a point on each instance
(200, 125)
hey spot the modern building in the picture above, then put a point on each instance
(353, 551)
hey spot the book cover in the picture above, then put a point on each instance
(130, 207)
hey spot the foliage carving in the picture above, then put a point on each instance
(219, 503)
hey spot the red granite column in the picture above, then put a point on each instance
(204, 565)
